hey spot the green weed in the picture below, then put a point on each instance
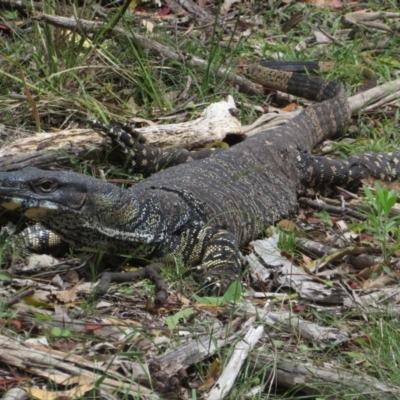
(380, 223)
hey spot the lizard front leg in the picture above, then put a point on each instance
(145, 158)
(214, 253)
(215, 256)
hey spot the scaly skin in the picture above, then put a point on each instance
(200, 212)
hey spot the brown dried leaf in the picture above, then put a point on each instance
(370, 182)
(366, 273)
(212, 375)
(379, 282)
(85, 384)
(306, 259)
(67, 296)
(287, 225)
(227, 5)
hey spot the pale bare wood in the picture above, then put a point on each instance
(239, 354)
(319, 335)
(232, 369)
(45, 149)
(317, 379)
(367, 100)
(323, 336)
(286, 274)
(15, 394)
(29, 356)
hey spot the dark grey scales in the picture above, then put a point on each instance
(201, 212)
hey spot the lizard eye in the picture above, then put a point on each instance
(45, 185)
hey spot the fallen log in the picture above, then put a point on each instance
(45, 149)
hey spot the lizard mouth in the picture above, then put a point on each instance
(11, 203)
(36, 209)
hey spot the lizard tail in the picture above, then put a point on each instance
(318, 122)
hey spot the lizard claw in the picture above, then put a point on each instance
(129, 130)
(95, 124)
(205, 285)
(210, 287)
(192, 270)
(215, 289)
(130, 142)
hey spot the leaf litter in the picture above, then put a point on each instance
(126, 345)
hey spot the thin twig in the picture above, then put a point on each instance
(15, 299)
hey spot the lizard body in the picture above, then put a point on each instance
(207, 204)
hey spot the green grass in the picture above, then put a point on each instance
(69, 77)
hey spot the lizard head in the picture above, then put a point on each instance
(85, 211)
(38, 193)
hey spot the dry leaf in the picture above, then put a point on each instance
(148, 25)
(212, 374)
(164, 11)
(67, 296)
(85, 384)
(370, 182)
(39, 299)
(182, 299)
(306, 259)
(379, 282)
(342, 225)
(366, 273)
(290, 107)
(227, 5)
(287, 225)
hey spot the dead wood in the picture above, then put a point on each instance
(232, 368)
(47, 149)
(319, 335)
(315, 248)
(287, 275)
(16, 394)
(382, 301)
(52, 364)
(167, 370)
(21, 5)
(320, 205)
(15, 299)
(316, 379)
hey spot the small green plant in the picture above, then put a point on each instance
(325, 218)
(234, 293)
(380, 222)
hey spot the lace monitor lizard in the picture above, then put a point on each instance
(207, 204)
